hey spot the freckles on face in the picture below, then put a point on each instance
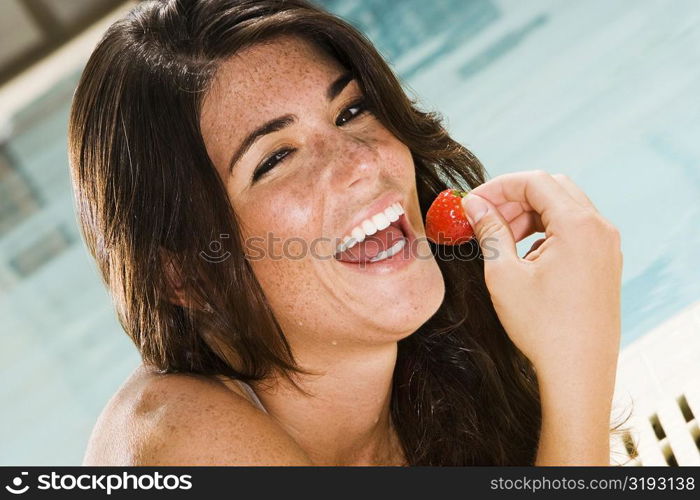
(332, 160)
(257, 84)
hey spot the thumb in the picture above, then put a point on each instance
(491, 230)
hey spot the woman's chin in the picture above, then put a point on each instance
(414, 304)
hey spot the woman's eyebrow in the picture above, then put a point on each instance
(266, 128)
(338, 85)
(277, 124)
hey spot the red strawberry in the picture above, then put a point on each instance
(445, 222)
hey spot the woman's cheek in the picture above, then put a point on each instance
(276, 227)
(283, 266)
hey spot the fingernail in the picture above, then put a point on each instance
(474, 207)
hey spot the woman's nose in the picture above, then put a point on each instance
(354, 163)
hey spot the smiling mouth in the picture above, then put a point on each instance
(390, 243)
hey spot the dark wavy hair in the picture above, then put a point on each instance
(149, 199)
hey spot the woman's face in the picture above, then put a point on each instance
(312, 177)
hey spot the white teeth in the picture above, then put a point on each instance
(368, 227)
(358, 235)
(392, 214)
(347, 242)
(389, 252)
(381, 221)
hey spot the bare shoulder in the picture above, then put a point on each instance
(182, 419)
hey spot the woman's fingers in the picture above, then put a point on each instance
(531, 254)
(524, 221)
(525, 224)
(491, 230)
(511, 209)
(537, 189)
(574, 191)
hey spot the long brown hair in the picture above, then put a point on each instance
(149, 200)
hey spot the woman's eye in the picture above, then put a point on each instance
(271, 161)
(351, 112)
(348, 114)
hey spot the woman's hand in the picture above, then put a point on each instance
(560, 304)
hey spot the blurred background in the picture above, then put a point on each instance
(605, 92)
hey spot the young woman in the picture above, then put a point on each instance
(222, 152)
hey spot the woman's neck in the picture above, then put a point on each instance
(346, 418)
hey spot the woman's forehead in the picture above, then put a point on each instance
(272, 70)
(261, 82)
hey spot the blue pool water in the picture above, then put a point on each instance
(606, 92)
